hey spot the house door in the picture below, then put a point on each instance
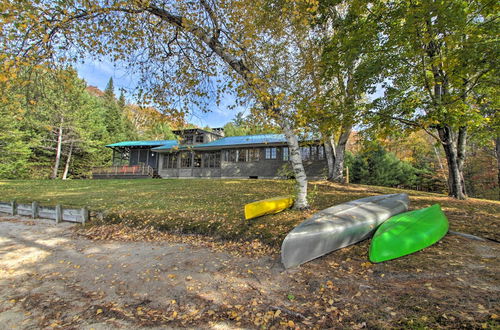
(153, 159)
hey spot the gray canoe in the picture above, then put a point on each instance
(339, 226)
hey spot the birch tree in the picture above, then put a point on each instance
(178, 48)
(351, 67)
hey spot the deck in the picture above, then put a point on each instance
(124, 172)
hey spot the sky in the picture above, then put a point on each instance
(97, 73)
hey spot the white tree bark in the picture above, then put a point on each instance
(55, 170)
(300, 202)
(68, 161)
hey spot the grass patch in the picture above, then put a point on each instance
(215, 207)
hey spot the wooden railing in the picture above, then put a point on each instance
(124, 170)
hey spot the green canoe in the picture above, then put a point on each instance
(408, 232)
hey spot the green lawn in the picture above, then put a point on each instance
(215, 207)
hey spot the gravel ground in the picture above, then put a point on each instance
(52, 278)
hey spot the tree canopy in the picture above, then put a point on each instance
(301, 64)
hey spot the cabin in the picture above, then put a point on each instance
(199, 153)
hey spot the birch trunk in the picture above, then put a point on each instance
(68, 161)
(298, 168)
(55, 170)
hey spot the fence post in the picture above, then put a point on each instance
(58, 213)
(34, 210)
(347, 175)
(85, 215)
(13, 206)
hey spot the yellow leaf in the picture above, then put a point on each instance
(174, 314)
(99, 311)
(291, 324)
(277, 313)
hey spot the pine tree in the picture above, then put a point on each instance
(121, 100)
(109, 92)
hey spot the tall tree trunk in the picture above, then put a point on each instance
(55, 170)
(338, 166)
(329, 155)
(454, 148)
(68, 161)
(298, 167)
(497, 150)
(335, 154)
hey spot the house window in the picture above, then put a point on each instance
(270, 153)
(143, 156)
(242, 155)
(305, 152)
(286, 154)
(170, 161)
(185, 159)
(197, 159)
(321, 152)
(314, 152)
(188, 139)
(211, 159)
(122, 157)
(253, 155)
(230, 155)
(199, 138)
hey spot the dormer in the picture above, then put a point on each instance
(194, 136)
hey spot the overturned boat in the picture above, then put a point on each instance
(407, 233)
(339, 226)
(267, 206)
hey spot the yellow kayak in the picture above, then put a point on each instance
(267, 206)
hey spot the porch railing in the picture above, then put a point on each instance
(124, 170)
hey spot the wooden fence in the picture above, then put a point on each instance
(34, 210)
(124, 170)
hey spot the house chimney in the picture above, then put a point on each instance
(218, 131)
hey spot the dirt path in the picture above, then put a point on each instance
(51, 278)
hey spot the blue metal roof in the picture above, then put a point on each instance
(220, 143)
(241, 140)
(169, 143)
(234, 141)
